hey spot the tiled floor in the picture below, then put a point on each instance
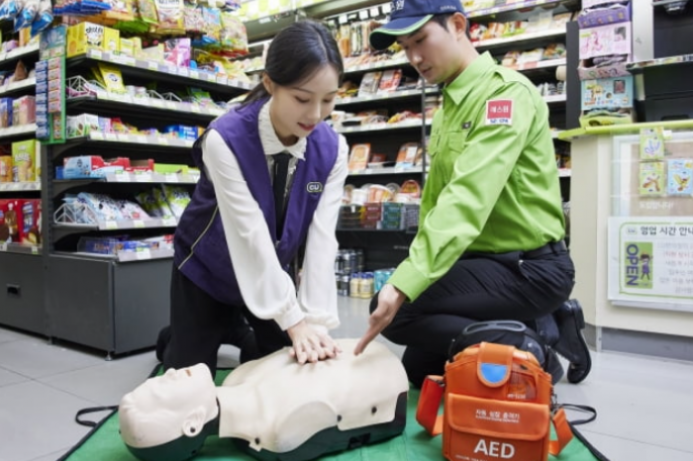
(645, 405)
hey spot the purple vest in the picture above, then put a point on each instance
(201, 250)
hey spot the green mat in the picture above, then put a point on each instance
(103, 443)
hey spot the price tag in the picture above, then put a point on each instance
(343, 19)
(162, 141)
(375, 12)
(143, 255)
(140, 139)
(3, 246)
(143, 177)
(223, 80)
(96, 54)
(96, 136)
(195, 109)
(363, 15)
(15, 186)
(169, 222)
(153, 65)
(171, 178)
(35, 250)
(110, 225)
(183, 72)
(194, 74)
(111, 137)
(138, 223)
(122, 177)
(170, 105)
(157, 103)
(387, 8)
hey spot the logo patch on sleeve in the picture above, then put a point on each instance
(499, 112)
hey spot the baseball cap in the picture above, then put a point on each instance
(408, 16)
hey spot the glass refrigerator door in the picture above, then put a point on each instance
(651, 223)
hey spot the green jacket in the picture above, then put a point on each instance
(493, 184)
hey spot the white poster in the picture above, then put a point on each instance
(651, 262)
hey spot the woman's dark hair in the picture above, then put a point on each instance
(296, 53)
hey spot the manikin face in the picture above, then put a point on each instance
(297, 109)
(434, 52)
(167, 407)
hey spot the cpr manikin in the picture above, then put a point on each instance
(273, 408)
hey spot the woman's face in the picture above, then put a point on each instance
(296, 110)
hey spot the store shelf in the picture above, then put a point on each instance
(17, 86)
(382, 127)
(159, 142)
(152, 223)
(511, 7)
(163, 72)
(18, 53)
(515, 39)
(17, 131)
(548, 64)
(380, 65)
(20, 186)
(61, 185)
(128, 105)
(124, 256)
(389, 96)
(555, 99)
(564, 172)
(386, 171)
(20, 249)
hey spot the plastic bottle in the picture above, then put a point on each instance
(355, 285)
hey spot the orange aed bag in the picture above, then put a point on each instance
(497, 406)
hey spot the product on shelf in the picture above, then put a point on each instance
(6, 168)
(82, 125)
(20, 221)
(538, 21)
(155, 203)
(370, 83)
(118, 245)
(26, 161)
(177, 197)
(17, 112)
(360, 154)
(410, 154)
(89, 36)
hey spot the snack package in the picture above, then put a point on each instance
(131, 210)
(6, 168)
(102, 206)
(177, 52)
(112, 78)
(408, 154)
(10, 221)
(147, 10)
(30, 233)
(193, 19)
(369, 84)
(390, 81)
(177, 197)
(154, 204)
(26, 16)
(44, 17)
(170, 14)
(358, 159)
(26, 156)
(86, 35)
(234, 38)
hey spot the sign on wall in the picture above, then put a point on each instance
(651, 262)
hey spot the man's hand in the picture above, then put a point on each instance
(390, 299)
(311, 345)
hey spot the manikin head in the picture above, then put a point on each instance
(168, 417)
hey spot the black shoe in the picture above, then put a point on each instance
(572, 344)
(553, 366)
(162, 342)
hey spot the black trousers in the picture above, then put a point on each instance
(477, 288)
(199, 323)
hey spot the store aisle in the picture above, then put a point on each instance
(644, 405)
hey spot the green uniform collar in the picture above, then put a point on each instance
(464, 82)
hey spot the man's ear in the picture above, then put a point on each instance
(267, 83)
(194, 422)
(458, 25)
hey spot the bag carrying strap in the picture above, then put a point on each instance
(432, 394)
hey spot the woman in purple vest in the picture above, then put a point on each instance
(272, 179)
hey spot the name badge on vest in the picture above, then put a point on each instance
(314, 187)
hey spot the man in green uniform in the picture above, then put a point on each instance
(490, 240)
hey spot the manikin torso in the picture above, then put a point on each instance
(277, 404)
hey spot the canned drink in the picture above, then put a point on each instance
(360, 260)
(343, 285)
(349, 261)
(339, 263)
